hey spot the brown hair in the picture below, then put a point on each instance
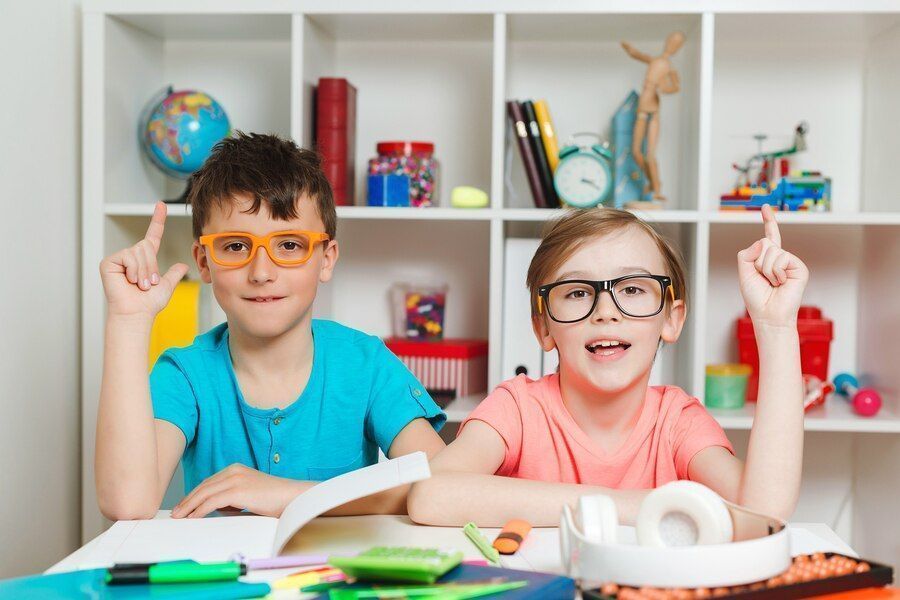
(268, 168)
(563, 236)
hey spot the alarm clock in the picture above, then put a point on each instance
(584, 176)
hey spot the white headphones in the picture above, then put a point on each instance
(680, 513)
(685, 536)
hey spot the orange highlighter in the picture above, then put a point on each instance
(512, 536)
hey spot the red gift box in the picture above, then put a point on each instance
(447, 368)
(816, 333)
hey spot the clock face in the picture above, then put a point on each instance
(581, 180)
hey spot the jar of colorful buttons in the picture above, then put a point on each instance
(415, 160)
(419, 311)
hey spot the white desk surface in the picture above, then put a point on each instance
(539, 552)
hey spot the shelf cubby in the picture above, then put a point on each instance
(242, 61)
(576, 63)
(418, 77)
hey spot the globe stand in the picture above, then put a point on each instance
(182, 199)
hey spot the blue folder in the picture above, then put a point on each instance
(543, 586)
(92, 584)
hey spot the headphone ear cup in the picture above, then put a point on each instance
(599, 519)
(683, 513)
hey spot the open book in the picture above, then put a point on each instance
(219, 538)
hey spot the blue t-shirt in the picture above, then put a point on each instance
(358, 398)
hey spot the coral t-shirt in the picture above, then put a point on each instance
(543, 442)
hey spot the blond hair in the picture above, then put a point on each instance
(562, 237)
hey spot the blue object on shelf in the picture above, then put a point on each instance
(628, 180)
(388, 190)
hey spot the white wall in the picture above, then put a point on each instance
(39, 283)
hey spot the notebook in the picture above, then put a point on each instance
(521, 130)
(91, 584)
(548, 134)
(540, 585)
(219, 538)
(545, 173)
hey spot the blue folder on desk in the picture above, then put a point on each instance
(92, 584)
(543, 586)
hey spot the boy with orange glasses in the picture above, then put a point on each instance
(262, 406)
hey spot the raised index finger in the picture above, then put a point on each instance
(771, 225)
(157, 225)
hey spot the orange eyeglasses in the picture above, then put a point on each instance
(285, 248)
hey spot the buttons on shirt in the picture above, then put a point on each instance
(277, 420)
(417, 392)
(276, 458)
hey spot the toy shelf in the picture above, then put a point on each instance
(120, 209)
(834, 286)
(419, 77)
(548, 56)
(443, 73)
(245, 59)
(836, 72)
(808, 218)
(381, 253)
(653, 216)
(834, 415)
(123, 209)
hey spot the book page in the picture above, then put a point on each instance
(212, 539)
(342, 489)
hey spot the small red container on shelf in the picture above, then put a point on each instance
(816, 334)
(448, 368)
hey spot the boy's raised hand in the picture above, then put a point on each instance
(772, 280)
(131, 278)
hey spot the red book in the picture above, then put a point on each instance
(336, 135)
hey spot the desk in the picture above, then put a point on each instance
(539, 552)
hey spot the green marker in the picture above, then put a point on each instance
(175, 572)
(473, 533)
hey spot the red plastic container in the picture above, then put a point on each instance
(816, 333)
(448, 369)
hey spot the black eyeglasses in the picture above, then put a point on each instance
(573, 300)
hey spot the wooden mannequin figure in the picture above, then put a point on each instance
(661, 78)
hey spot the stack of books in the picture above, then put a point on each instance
(538, 146)
(335, 129)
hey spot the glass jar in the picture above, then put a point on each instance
(415, 160)
(419, 310)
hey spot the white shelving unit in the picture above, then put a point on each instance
(443, 73)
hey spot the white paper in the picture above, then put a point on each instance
(804, 541)
(216, 539)
(206, 540)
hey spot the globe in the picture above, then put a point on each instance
(178, 130)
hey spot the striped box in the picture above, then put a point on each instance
(447, 368)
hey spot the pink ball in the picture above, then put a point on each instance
(866, 402)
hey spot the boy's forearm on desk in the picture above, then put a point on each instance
(127, 474)
(771, 480)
